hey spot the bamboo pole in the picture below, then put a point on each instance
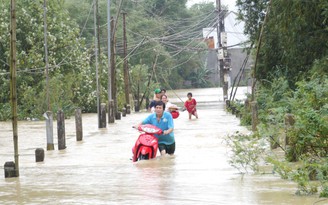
(13, 89)
(254, 108)
(258, 51)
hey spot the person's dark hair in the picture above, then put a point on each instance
(160, 103)
(189, 94)
(163, 96)
(163, 89)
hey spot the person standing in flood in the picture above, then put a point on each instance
(190, 105)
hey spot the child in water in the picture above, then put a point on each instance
(190, 105)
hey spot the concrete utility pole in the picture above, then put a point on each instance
(126, 69)
(224, 62)
(13, 89)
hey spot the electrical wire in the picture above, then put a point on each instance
(187, 34)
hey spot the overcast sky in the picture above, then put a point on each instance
(229, 3)
(233, 28)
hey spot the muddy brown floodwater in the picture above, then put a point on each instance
(98, 170)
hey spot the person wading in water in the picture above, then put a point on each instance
(164, 121)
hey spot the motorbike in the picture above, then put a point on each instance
(146, 144)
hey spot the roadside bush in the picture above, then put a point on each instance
(306, 147)
(310, 107)
(5, 113)
(246, 152)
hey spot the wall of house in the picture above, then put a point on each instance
(237, 56)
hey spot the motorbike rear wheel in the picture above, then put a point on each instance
(143, 157)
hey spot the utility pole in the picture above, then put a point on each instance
(46, 50)
(96, 57)
(113, 67)
(102, 113)
(111, 118)
(125, 65)
(99, 50)
(48, 114)
(13, 89)
(224, 63)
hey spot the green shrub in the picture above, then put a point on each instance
(246, 151)
(310, 107)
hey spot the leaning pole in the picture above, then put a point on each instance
(13, 90)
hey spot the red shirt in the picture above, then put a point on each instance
(190, 105)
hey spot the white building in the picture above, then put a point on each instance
(236, 42)
(234, 30)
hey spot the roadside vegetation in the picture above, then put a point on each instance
(291, 94)
(164, 46)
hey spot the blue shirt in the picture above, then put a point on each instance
(165, 123)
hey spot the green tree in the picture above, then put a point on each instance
(295, 35)
(67, 55)
(163, 30)
(166, 28)
(200, 77)
(252, 12)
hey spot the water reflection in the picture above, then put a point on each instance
(98, 170)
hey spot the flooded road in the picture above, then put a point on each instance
(98, 170)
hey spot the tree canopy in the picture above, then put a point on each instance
(68, 57)
(167, 31)
(292, 91)
(295, 35)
